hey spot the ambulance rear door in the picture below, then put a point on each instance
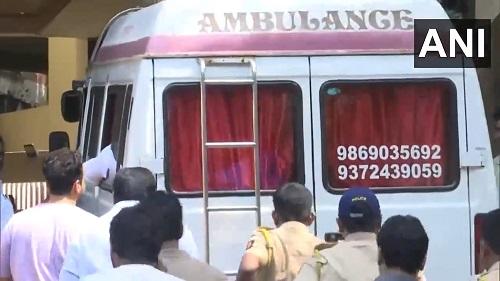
(380, 122)
(206, 134)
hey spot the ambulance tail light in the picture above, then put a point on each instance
(478, 223)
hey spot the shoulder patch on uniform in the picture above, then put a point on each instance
(324, 246)
(483, 277)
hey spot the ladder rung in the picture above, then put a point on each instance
(228, 81)
(230, 144)
(231, 273)
(241, 208)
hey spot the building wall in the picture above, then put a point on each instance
(487, 9)
(67, 62)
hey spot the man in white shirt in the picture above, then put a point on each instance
(35, 241)
(91, 253)
(135, 245)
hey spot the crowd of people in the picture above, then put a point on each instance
(143, 237)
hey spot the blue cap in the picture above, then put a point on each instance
(353, 198)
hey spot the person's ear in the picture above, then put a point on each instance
(341, 226)
(378, 225)
(78, 187)
(311, 219)
(276, 219)
(115, 259)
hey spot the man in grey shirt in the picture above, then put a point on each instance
(403, 245)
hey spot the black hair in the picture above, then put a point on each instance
(491, 230)
(167, 210)
(133, 184)
(369, 222)
(61, 169)
(133, 236)
(293, 202)
(403, 243)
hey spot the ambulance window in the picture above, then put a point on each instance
(116, 118)
(229, 119)
(93, 122)
(389, 134)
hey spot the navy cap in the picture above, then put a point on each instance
(353, 198)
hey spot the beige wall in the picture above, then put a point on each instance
(490, 77)
(487, 9)
(67, 62)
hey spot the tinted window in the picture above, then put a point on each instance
(116, 118)
(93, 122)
(389, 134)
(229, 119)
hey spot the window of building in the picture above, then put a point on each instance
(389, 134)
(229, 119)
(23, 73)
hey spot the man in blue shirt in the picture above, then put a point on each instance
(6, 209)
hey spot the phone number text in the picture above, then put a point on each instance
(389, 152)
(390, 171)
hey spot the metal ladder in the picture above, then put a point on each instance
(204, 63)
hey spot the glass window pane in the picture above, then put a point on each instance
(389, 134)
(229, 118)
(93, 121)
(115, 105)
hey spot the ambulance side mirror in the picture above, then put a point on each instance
(71, 105)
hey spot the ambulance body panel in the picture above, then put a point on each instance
(308, 61)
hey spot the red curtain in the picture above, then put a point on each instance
(390, 114)
(229, 118)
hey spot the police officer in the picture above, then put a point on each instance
(490, 246)
(278, 254)
(356, 257)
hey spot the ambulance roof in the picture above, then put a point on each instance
(191, 28)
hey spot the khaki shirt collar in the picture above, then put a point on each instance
(361, 236)
(295, 227)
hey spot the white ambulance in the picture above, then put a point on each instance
(226, 100)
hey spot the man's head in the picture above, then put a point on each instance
(63, 171)
(359, 211)
(133, 184)
(167, 209)
(292, 202)
(134, 238)
(403, 244)
(490, 239)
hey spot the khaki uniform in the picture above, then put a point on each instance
(179, 264)
(353, 259)
(493, 274)
(282, 250)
